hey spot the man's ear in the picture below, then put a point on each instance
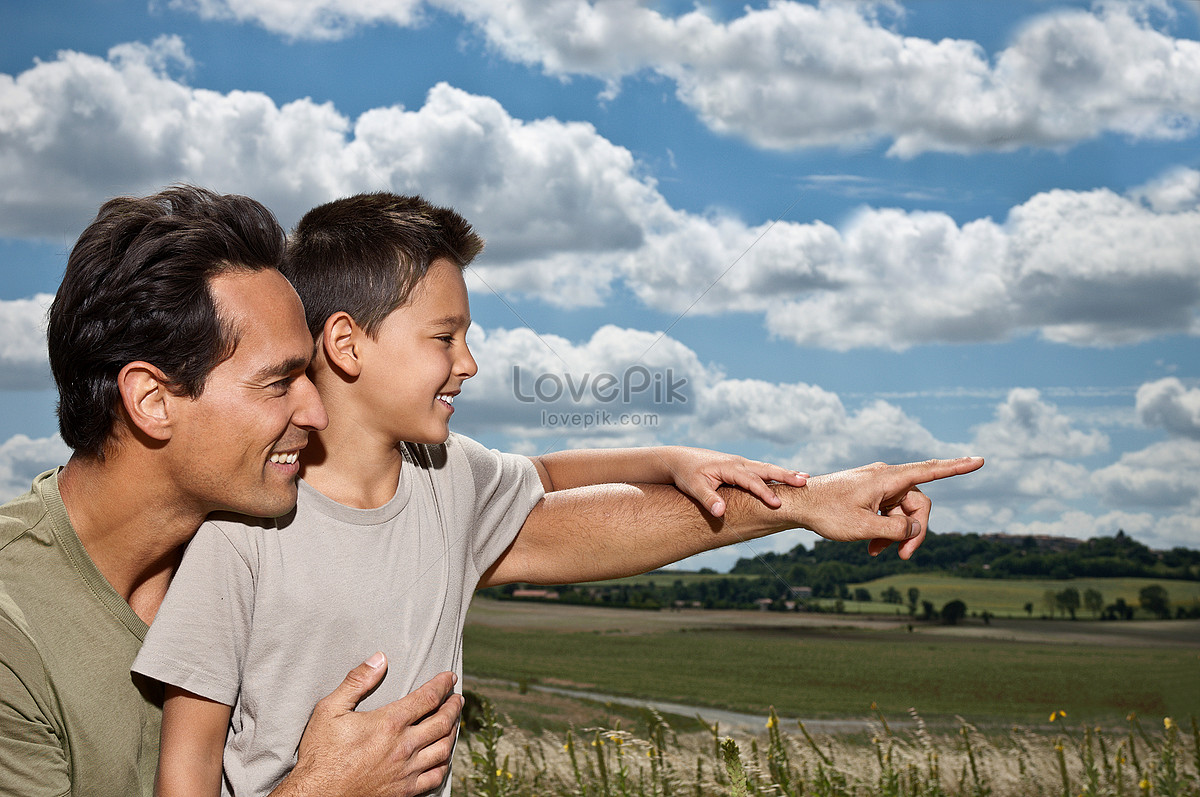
(341, 341)
(146, 397)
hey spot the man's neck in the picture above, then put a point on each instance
(351, 466)
(131, 528)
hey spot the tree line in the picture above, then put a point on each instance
(981, 556)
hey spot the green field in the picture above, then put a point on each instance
(831, 671)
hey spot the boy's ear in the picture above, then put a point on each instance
(146, 397)
(341, 342)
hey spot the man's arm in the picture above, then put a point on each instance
(615, 530)
(697, 472)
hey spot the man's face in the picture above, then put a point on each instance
(236, 446)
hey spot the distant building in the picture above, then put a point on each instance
(543, 594)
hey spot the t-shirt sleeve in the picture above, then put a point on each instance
(198, 638)
(507, 487)
(32, 758)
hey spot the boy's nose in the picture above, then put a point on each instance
(467, 367)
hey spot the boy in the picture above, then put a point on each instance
(397, 522)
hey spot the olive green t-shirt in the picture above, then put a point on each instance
(72, 719)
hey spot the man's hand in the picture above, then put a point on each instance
(879, 503)
(401, 749)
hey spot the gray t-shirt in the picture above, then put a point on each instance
(268, 616)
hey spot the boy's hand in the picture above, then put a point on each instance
(403, 748)
(698, 472)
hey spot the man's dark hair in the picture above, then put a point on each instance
(136, 288)
(365, 254)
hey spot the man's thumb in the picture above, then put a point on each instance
(357, 683)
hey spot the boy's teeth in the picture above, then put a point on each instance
(285, 459)
(446, 398)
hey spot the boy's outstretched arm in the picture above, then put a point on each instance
(614, 530)
(697, 472)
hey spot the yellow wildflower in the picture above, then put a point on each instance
(771, 722)
(1167, 723)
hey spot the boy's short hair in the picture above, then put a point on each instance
(137, 287)
(365, 254)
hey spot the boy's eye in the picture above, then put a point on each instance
(446, 338)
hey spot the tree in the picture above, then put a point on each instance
(892, 595)
(862, 594)
(953, 611)
(913, 595)
(1093, 601)
(1068, 600)
(1029, 608)
(927, 611)
(1154, 600)
(1050, 601)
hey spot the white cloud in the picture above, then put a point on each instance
(1157, 532)
(1167, 403)
(1027, 428)
(1162, 475)
(794, 75)
(21, 459)
(23, 364)
(620, 387)
(566, 212)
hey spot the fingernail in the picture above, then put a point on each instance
(914, 528)
(375, 662)
(717, 507)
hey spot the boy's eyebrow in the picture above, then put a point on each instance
(451, 321)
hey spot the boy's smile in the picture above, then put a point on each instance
(415, 366)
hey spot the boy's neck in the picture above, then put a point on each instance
(346, 465)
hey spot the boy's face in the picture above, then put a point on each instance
(417, 363)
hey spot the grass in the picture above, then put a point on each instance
(1007, 597)
(500, 760)
(832, 672)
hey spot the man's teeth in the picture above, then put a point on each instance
(446, 397)
(286, 459)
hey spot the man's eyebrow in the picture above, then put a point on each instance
(285, 368)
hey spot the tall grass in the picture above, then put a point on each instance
(502, 761)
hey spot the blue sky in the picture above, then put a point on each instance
(846, 231)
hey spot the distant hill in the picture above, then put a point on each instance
(979, 556)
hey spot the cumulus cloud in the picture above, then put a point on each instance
(1163, 475)
(1026, 427)
(619, 387)
(794, 75)
(23, 364)
(1168, 404)
(567, 213)
(22, 458)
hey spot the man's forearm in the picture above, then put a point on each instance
(613, 530)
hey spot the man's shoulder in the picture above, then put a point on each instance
(24, 513)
